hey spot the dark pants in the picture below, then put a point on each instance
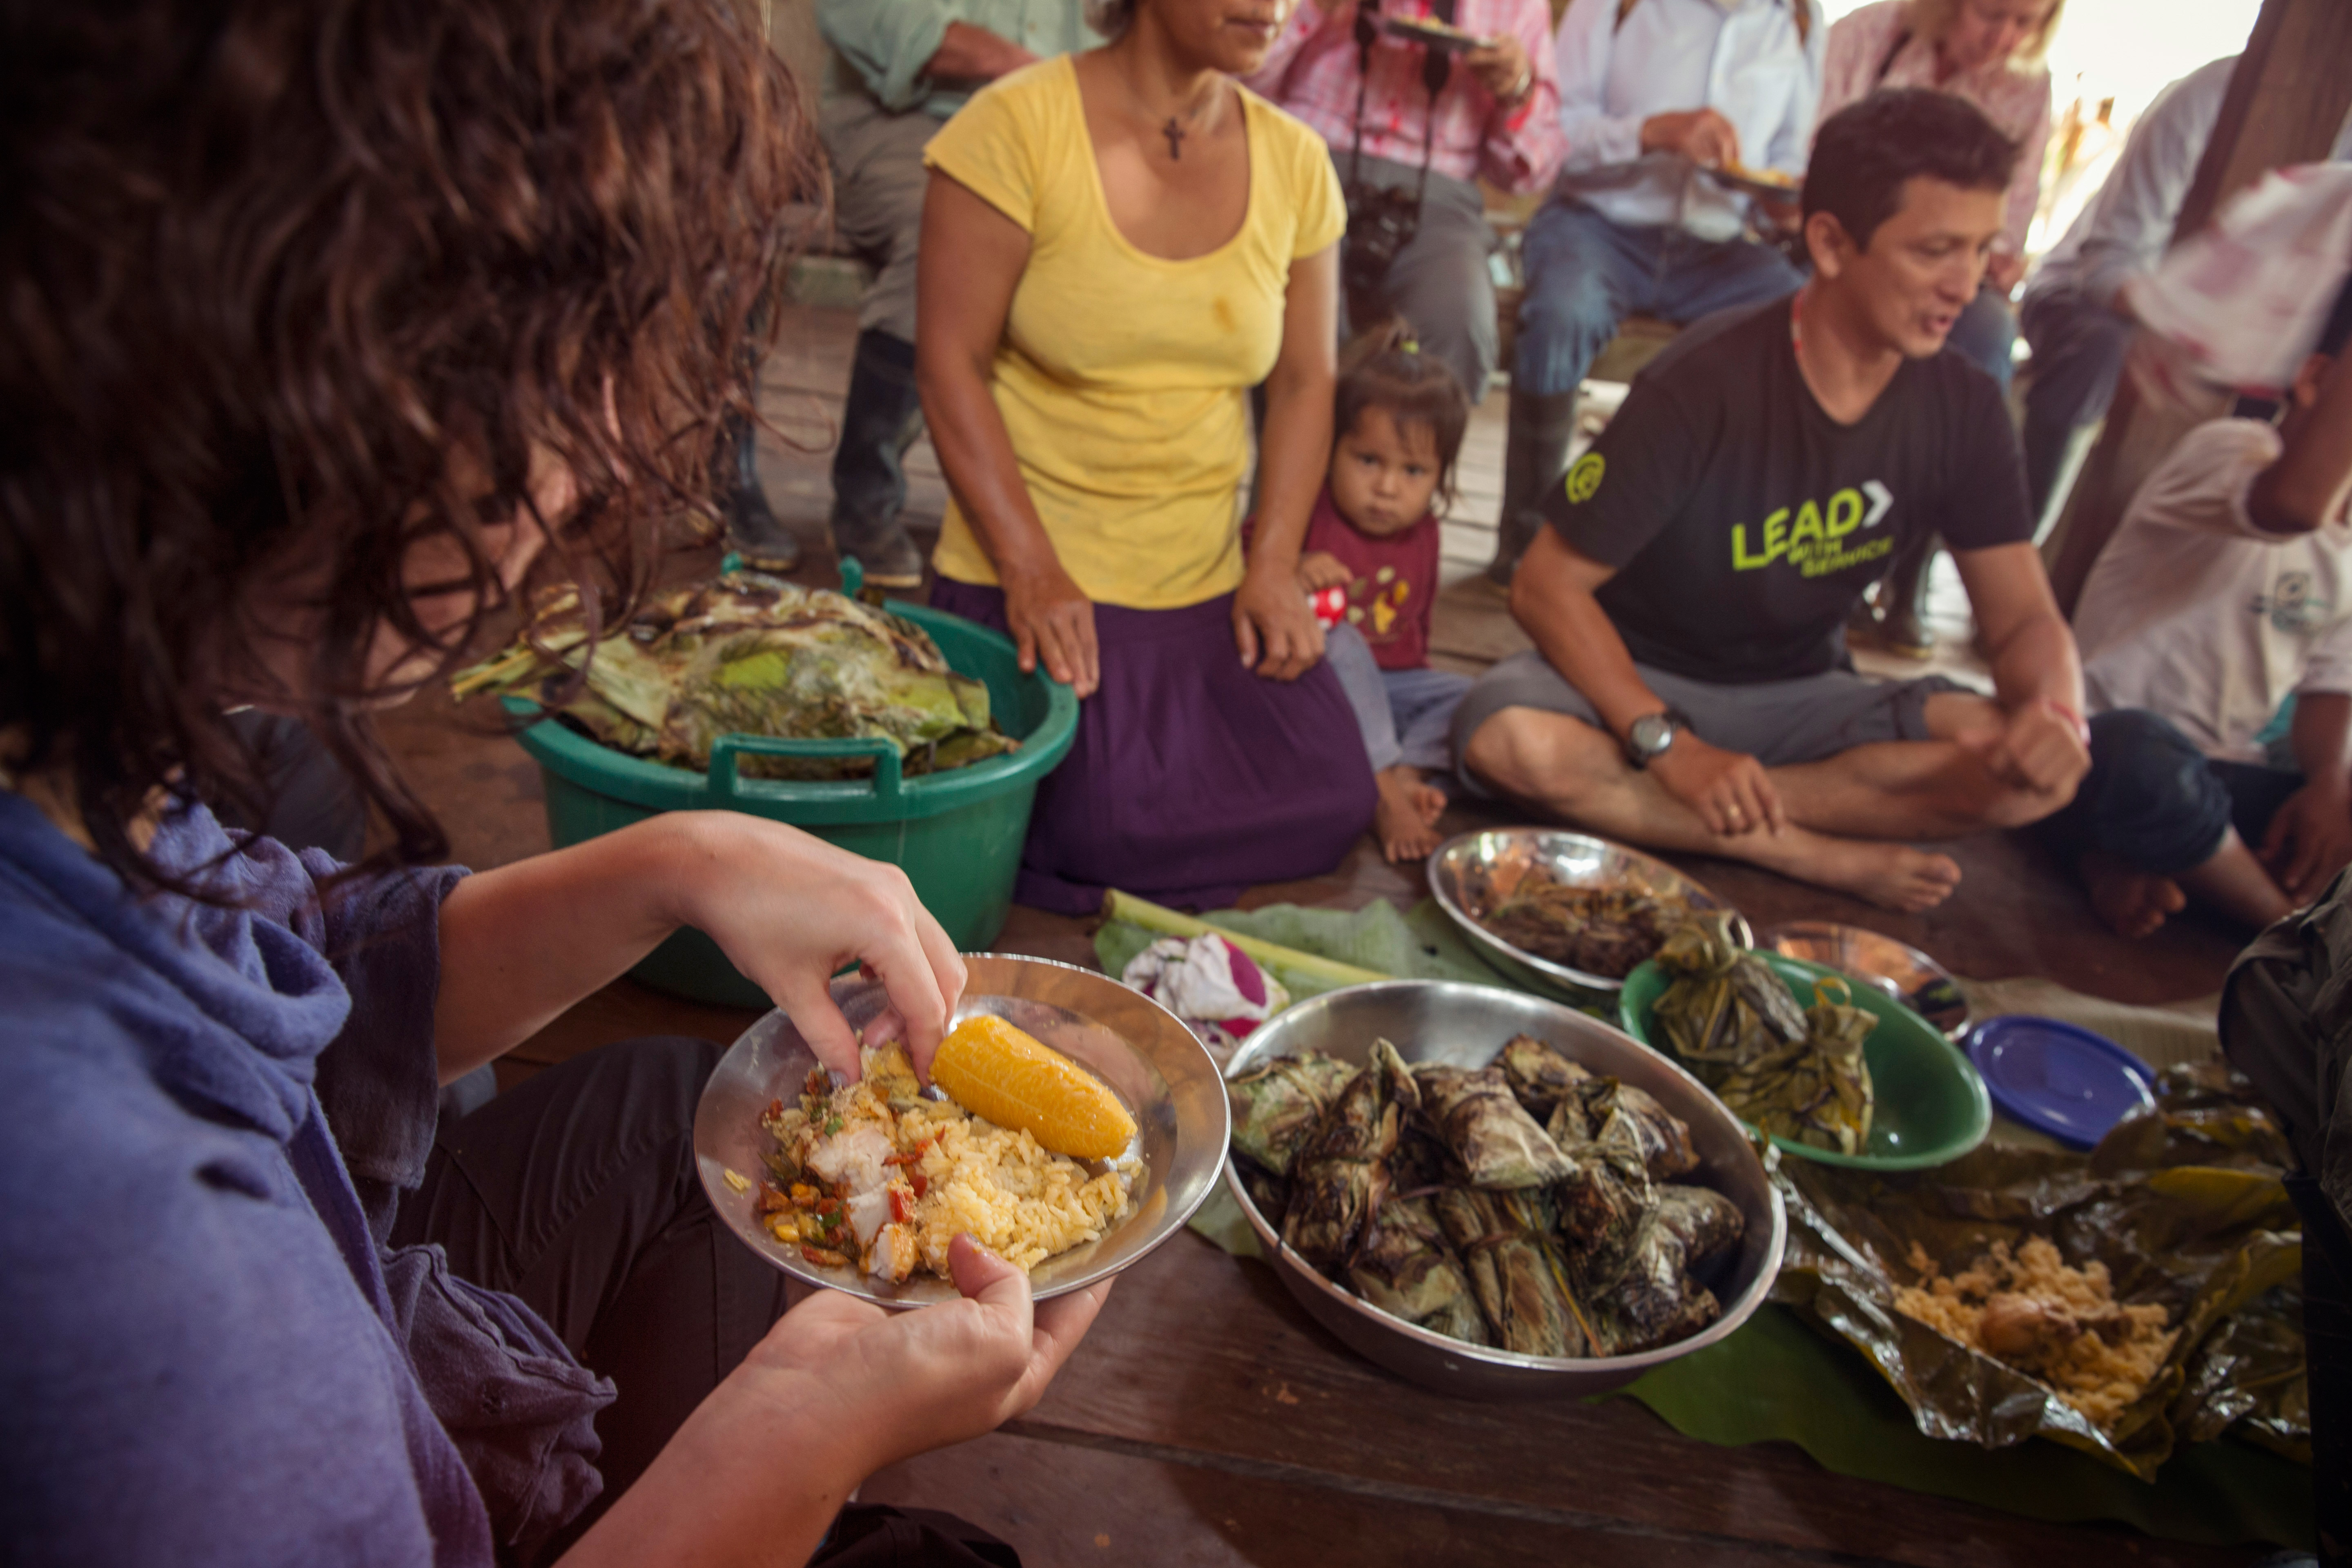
(2078, 356)
(1439, 280)
(577, 1191)
(2157, 803)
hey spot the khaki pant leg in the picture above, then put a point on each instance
(877, 195)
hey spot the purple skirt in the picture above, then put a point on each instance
(1191, 778)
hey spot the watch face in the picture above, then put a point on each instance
(1652, 733)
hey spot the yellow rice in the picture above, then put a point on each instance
(2097, 1377)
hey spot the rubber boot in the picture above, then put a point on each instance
(754, 531)
(880, 420)
(1535, 455)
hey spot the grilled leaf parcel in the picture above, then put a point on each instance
(1526, 1204)
(1796, 1072)
(1607, 932)
(752, 654)
(2121, 1302)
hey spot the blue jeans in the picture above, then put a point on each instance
(1586, 275)
(1985, 334)
(2079, 346)
(1406, 715)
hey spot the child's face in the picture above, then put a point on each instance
(1382, 476)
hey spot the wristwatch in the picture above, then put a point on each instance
(1647, 738)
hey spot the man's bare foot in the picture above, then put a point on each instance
(1405, 816)
(1892, 876)
(2133, 902)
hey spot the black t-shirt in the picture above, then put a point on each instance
(1744, 522)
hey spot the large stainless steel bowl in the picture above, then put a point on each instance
(1127, 1040)
(1473, 871)
(1440, 1021)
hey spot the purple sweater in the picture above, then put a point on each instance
(207, 1356)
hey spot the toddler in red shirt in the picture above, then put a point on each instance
(1370, 564)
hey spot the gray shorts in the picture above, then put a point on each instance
(1777, 722)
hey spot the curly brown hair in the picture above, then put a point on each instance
(318, 279)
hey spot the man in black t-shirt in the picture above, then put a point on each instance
(1689, 689)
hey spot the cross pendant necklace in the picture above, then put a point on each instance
(1175, 132)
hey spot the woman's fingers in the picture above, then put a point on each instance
(1089, 652)
(1246, 637)
(806, 997)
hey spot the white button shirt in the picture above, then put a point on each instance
(1740, 58)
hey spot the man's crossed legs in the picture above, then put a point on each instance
(1859, 767)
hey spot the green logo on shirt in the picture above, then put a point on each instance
(1813, 538)
(1584, 477)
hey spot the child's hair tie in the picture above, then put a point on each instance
(1409, 344)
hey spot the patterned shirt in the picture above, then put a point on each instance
(1311, 71)
(2018, 101)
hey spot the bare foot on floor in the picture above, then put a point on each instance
(1405, 816)
(2133, 902)
(1892, 876)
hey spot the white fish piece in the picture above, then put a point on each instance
(894, 1254)
(853, 1158)
(868, 1213)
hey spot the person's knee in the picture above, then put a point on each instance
(1525, 751)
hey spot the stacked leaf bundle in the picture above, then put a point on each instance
(750, 654)
(1796, 1072)
(1526, 1204)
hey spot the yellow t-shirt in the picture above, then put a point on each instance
(1122, 378)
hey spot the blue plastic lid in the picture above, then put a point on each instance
(2058, 1078)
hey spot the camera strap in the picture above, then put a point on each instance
(1436, 66)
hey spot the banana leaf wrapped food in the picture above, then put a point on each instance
(1278, 1102)
(1643, 1296)
(752, 654)
(1434, 1195)
(1339, 1174)
(1408, 1270)
(1796, 1072)
(1516, 1269)
(2175, 1209)
(1603, 930)
(1497, 1144)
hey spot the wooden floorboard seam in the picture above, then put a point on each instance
(1429, 1497)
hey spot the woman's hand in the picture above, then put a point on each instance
(791, 911)
(1278, 636)
(899, 1383)
(838, 1389)
(1052, 619)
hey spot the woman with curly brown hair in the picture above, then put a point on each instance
(326, 326)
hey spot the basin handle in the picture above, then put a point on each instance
(727, 787)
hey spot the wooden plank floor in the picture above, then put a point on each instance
(1208, 1421)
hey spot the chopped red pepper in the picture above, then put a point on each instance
(826, 1205)
(901, 1159)
(775, 1109)
(902, 1208)
(921, 1182)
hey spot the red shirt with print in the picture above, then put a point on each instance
(1394, 584)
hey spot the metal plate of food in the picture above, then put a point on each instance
(1900, 970)
(1432, 1022)
(1564, 913)
(1428, 30)
(1769, 184)
(1161, 1073)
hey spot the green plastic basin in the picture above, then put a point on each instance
(1929, 1106)
(957, 834)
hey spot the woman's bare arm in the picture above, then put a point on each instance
(972, 259)
(1278, 634)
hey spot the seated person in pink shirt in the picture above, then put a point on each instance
(1414, 125)
(2227, 587)
(1371, 561)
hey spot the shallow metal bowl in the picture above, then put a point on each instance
(1125, 1038)
(1473, 872)
(1443, 1021)
(1897, 968)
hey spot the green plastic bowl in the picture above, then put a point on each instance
(957, 834)
(1929, 1106)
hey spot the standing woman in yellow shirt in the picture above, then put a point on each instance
(1117, 247)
